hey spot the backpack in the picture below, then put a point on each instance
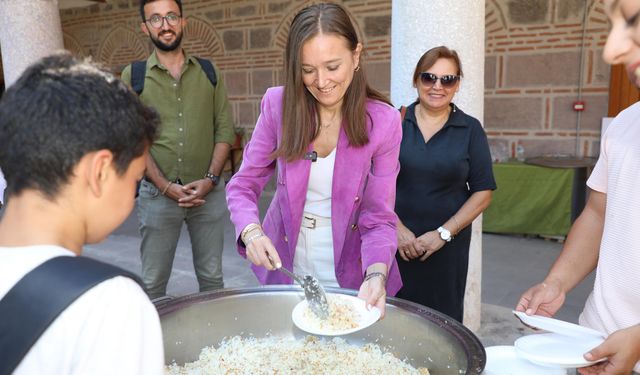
(139, 68)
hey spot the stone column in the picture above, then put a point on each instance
(29, 30)
(416, 26)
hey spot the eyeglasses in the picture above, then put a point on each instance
(430, 79)
(157, 20)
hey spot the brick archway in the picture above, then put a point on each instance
(72, 45)
(121, 46)
(495, 21)
(201, 39)
(282, 31)
(596, 13)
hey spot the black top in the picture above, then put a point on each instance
(436, 178)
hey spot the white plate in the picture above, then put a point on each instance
(552, 349)
(558, 326)
(367, 317)
(502, 360)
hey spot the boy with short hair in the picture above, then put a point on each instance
(74, 141)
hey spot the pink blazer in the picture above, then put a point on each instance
(362, 202)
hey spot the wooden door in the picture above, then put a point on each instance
(622, 93)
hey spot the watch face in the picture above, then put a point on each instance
(444, 234)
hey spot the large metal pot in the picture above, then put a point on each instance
(423, 336)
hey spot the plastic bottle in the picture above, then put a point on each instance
(520, 152)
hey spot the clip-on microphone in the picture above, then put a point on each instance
(313, 156)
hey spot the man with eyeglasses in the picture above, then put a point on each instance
(605, 237)
(182, 180)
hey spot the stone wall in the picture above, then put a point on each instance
(532, 58)
(532, 75)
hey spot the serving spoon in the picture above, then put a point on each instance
(313, 291)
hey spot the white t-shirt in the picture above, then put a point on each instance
(318, 200)
(614, 302)
(111, 329)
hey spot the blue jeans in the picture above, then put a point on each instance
(160, 223)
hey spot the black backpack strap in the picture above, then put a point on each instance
(138, 71)
(37, 299)
(207, 66)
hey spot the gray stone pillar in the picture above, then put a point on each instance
(29, 30)
(416, 26)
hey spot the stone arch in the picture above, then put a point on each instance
(596, 13)
(282, 31)
(121, 46)
(201, 39)
(72, 45)
(495, 21)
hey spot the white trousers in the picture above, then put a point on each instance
(314, 250)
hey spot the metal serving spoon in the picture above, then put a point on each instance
(313, 291)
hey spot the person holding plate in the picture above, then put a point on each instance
(335, 143)
(605, 236)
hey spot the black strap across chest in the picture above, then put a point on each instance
(37, 299)
(139, 69)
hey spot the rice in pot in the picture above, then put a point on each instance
(278, 355)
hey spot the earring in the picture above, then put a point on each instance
(357, 68)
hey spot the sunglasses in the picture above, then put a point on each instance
(430, 79)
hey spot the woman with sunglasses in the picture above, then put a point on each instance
(335, 143)
(445, 181)
(605, 237)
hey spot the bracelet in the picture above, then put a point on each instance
(249, 234)
(248, 229)
(167, 187)
(255, 236)
(375, 274)
(457, 225)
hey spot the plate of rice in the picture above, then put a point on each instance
(347, 314)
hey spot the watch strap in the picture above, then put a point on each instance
(215, 179)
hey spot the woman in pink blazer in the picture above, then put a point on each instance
(334, 143)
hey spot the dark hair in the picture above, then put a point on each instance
(60, 109)
(299, 116)
(145, 2)
(431, 56)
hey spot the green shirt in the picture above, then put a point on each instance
(195, 116)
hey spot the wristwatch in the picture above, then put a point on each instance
(215, 179)
(445, 235)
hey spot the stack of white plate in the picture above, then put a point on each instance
(545, 353)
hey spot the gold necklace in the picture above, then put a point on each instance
(328, 124)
